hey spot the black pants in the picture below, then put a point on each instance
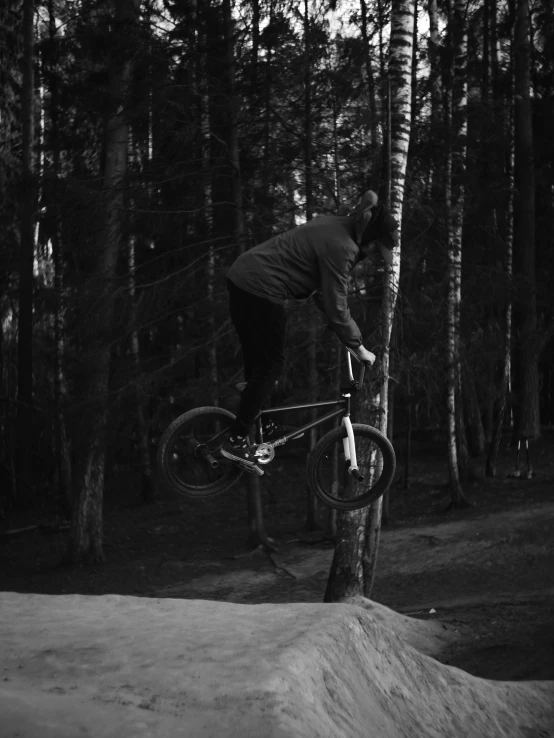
(260, 325)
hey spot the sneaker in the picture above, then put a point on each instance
(237, 448)
(271, 431)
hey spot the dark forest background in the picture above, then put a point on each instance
(143, 145)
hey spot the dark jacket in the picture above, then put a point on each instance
(318, 255)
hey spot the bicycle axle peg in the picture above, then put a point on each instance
(203, 453)
(357, 475)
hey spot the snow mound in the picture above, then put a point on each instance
(128, 667)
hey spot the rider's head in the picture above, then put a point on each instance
(375, 226)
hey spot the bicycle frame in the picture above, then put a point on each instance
(343, 409)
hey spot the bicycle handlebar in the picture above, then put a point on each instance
(357, 383)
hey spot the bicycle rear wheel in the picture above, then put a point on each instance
(328, 473)
(188, 457)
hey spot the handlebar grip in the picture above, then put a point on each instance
(363, 366)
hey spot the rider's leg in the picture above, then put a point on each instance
(260, 325)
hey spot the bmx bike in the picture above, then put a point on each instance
(350, 466)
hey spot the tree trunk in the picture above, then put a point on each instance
(202, 92)
(456, 162)
(384, 190)
(262, 101)
(311, 520)
(27, 251)
(143, 440)
(355, 558)
(390, 436)
(492, 456)
(86, 535)
(400, 74)
(346, 574)
(435, 184)
(331, 531)
(473, 414)
(62, 451)
(373, 116)
(257, 535)
(308, 122)
(312, 507)
(526, 334)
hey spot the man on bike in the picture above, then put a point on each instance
(315, 258)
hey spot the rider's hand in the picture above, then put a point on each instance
(364, 355)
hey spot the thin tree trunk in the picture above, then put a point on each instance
(312, 507)
(308, 122)
(62, 449)
(527, 339)
(261, 100)
(203, 94)
(473, 414)
(457, 125)
(400, 73)
(408, 445)
(311, 520)
(436, 96)
(384, 190)
(358, 533)
(492, 456)
(257, 535)
(27, 251)
(86, 534)
(373, 117)
(143, 443)
(390, 436)
(332, 515)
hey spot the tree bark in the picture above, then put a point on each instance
(86, 534)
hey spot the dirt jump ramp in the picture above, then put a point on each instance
(73, 666)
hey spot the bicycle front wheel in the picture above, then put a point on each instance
(328, 468)
(188, 453)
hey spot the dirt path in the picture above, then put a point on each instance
(125, 667)
(491, 579)
(487, 573)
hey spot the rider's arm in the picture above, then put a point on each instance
(335, 263)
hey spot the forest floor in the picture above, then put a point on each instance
(487, 572)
